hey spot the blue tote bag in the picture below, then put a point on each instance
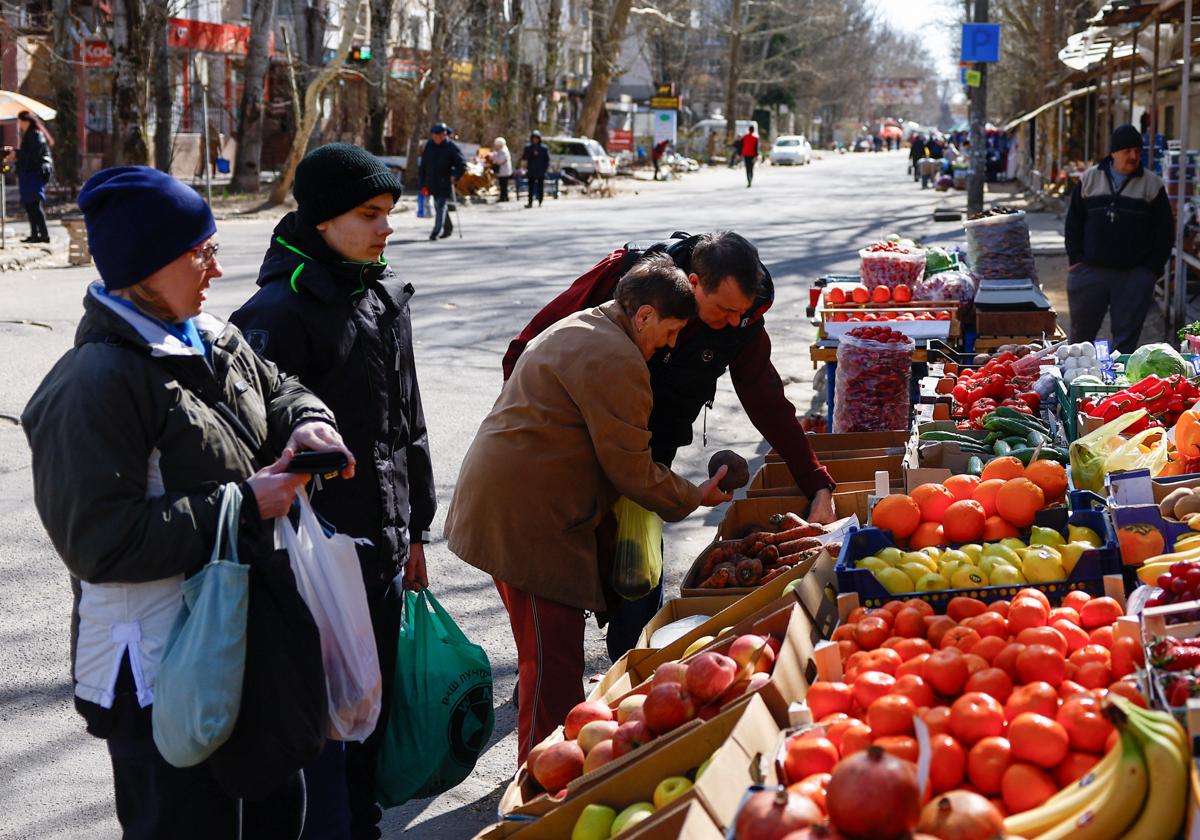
(199, 687)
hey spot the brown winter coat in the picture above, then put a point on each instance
(566, 438)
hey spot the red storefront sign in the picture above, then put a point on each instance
(96, 54)
(620, 140)
(224, 38)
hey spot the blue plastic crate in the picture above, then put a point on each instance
(1087, 575)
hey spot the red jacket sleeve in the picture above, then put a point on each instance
(760, 390)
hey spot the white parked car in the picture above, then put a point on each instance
(579, 158)
(791, 149)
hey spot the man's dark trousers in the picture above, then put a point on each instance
(1093, 289)
(535, 186)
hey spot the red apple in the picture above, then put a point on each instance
(708, 711)
(583, 714)
(775, 644)
(752, 652)
(600, 755)
(756, 682)
(558, 765)
(595, 732)
(668, 706)
(709, 675)
(532, 756)
(631, 708)
(629, 736)
(670, 672)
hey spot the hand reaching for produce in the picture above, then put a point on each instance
(820, 510)
(711, 493)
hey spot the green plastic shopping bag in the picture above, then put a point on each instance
(440, 715)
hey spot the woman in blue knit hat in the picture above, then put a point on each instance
(136, 434)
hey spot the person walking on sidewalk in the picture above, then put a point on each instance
(1119, 233)
(331, 311)
(34, 168)
(750, 154)
(537, 162)
(566, 438)
(502, 165)
(915, 153)
(656, 155)
(441, 166)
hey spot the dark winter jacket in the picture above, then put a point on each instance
(343, 328)
(537, 160)
(128, 464)
(34, 154)
(439, 163)
(1119, 228)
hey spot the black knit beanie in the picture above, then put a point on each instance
(1125, 137)
(336, 178)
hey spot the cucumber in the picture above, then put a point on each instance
(1007, 426)
(1028, 419)
(1015, 441)
(1048, 453)
(975, 466)
(1036, 439)
(1001, 448)
(952, 437)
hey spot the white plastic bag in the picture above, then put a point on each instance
(330, 581)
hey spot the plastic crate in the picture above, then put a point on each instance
(1087, 575)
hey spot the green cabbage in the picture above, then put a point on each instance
(936, 259)
(1158, 359)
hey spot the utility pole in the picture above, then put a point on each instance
(978, 127)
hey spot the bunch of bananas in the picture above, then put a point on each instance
(1138, 791)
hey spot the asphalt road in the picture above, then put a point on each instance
(473, 295)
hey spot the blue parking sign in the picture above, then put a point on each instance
(981, 42)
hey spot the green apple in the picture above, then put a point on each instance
(791, 587)
(595, 823)
(632, 815)
(702, 642)
(700, 770)
(1003, 574)
(670, 789)
(956, 556)
(1046, 536)
(894, 580)
(968, 577)
(932, 583)
(915, 571)
(890, 555)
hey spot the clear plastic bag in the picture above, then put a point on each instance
(890, 268)
(1102, 451)
(945, 285)
(330, 581)
(872, 385)
(998, 247)
(637, 556)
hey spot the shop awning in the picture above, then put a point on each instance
(1036, 112)
(1090, 47)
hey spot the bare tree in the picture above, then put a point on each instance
(734, 72)
(66, 146)
(608, 31)
(432, 79)
(164, 92)
(248, 162)
(312, 96)
(378, 72)
(510, 114)
(132, 40)
(550, 35)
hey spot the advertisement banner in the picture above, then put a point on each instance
(666, 124)
(620, 140)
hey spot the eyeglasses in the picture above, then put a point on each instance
(207, 254)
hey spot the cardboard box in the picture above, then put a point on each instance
(1135, 496)
(690, 587)
(745, 516)
(682, 818)
(1025, 323)
(778, 478)
(941, 455)
(677, 608)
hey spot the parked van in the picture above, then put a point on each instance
(579, 158)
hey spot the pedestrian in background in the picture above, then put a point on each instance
(332, 312)
(915, 153)
(736, 154)
(1119, 234)
(502, 165)
(34, 167)
(656, 155)
(537, 162)
(750, 154)
(566, 438)
(441, 165)
(130, 457)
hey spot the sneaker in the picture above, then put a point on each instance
(433, 237)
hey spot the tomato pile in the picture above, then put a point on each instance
(978, 392)
(1011, 694)
(873, 375)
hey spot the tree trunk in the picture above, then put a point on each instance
(429, 86)
(131, 66)
(64, 80)
(378, 73)
(606, 50)
(551, 35)
(248, 164)
(312, 97)
(164, 92)
(735, 54)
(510, 114)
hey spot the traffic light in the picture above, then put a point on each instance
(360, 54)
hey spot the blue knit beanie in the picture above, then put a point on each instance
(138, 220)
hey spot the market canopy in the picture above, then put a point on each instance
(1091, 46)
(12, 103)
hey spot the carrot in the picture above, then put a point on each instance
(769, 555)
(749, 571)
(774, 573)
(796, 546)
(796, 533)
(721, 577)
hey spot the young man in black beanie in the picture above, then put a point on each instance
(1119, 233)
(331, 312)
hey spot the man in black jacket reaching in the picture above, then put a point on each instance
(441, 166)
(331, 312)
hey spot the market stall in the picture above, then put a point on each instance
(1000, 636)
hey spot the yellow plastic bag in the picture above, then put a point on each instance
(1098, 453)
(637, 557)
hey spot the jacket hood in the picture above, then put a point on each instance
(103, 316)
(299, 256)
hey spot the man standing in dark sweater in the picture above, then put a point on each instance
(537, 163)
(1119, 233)
(441, 165)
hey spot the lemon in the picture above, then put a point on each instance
(932, 551)
(917, 557)
(932, 583)
(1013, 543)
(948, 569)
(1078, 533)
(1002, 552)
(915, 571)
(968, 577)
(894, 580)
(1070, 554)
(972, 550)
(890, 555)
(991, 561)
(1046, 536)
(1043, 565)
(956, 556)
(873, 563)
(1003, 574)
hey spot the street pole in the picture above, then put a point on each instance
(978, 128)
(1178, 297)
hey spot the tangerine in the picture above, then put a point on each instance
(1128, 690)
(1127, 656)
(1041, 663)
(1006, 467)
(1024, 613)
(945, 671)
(1038, 739)
(914, 688)
(901, 746)
(987, 762)
(989, 624)
(962, 486)
(912, 666)
(923, 607)
(1019, 500)
(1037, 697)
(963, 638)
(1065, 613)
(855, 738)
(908, 648)
(1094, 675)
(937, 718)
(988, 647)
(948, 764)
(976, 716)
(911, 624)
(1102, 636)
(1043, 636)
(1082, 716)
(963, 521)
(985, 494)
(995, 528)
(1006, 659)
(1074, 767)
(962, 607)
(869, 686)
(897, 513)
(1075, 635)
(1030, 592)
(933, 499)
(1075, 599)
(1100, 612)
(993, 682)
(975, 664)
(927, 534)
(1025, 786)
(1051, 477)
(1091, 653)
(891, 714)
